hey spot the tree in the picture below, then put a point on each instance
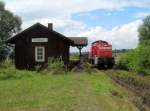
(9, 25)
(144, 30)
(139, 59)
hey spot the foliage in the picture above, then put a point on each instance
(144, 30)
(144, 54)
(138, 59)
(128, 60)
(3, 52)
(9, 24)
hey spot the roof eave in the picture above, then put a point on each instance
(12, 39)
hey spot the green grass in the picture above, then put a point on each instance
(71, 92)
(74, 57)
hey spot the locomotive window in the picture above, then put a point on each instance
(39, 53)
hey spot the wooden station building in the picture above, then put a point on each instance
(35, 45)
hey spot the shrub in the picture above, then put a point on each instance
(128, 61)
(137, 59)
(144, 54)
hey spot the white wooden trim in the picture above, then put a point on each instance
(39, 39)
(43, 54)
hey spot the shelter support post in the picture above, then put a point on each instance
(80, 53)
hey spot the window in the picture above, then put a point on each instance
(39, 53)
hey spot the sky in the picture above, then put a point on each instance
(115, 21)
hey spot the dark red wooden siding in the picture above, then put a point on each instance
(25, 48)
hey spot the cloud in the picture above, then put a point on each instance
(142, 14)
(33, 10)
(62, 8)
(121, 37)
(60, 13)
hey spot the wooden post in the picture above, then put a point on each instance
(80, 54)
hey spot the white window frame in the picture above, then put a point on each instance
(36, 54)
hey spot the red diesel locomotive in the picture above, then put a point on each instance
(101, 54)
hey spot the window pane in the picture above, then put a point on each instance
(40, 53)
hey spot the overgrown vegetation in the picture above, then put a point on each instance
(144, 30)
(11, 73)
(138, 59)
(140, 85)
(9, 25)
(55, 66)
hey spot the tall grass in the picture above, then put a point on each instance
(137, 84)
(8, 71)
(55, 66)
(8, 63)
(12, 73)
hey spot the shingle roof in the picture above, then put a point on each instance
(79, 41)
(11, 39)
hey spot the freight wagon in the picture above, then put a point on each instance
(101, 54)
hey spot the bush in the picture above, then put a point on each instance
(129, 60)
(137, 59)
(144, 54)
